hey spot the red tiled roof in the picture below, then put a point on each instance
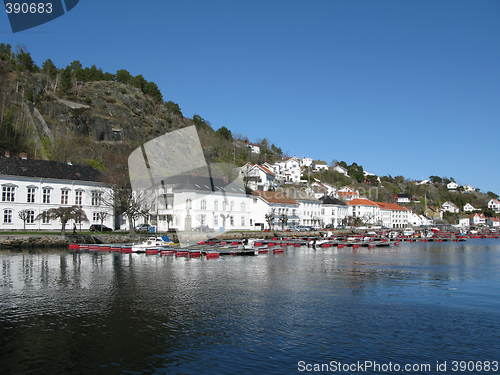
(274, 197)
(266, 170)
(391, 206)
(348, 193)
(361, 202)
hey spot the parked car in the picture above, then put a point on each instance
(100, 228)
(142, 228)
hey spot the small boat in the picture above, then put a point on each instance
(150, 243)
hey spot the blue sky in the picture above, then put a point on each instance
(402, 87)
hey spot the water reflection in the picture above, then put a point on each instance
(64, 312)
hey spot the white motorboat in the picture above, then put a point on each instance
(150, 243)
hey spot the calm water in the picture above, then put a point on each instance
(64, 313)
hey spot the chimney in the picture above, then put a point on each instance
(23, 155)
(7, 154)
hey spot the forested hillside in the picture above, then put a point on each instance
(88, 116)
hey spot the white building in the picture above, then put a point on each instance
(494, 204)
(319, 166)
(310, 213)
(305, 162)
(273, 210)
(35, 186)
(463, 222)
(423, 182)
(469, 208)
(493, 222)
(340, 169)
(418, 220)
(333, 211)
(469, 189)
(403, 198)
(452, 186)
(203, 204)
(366, 210)
(477, 219)
(254, 148)
(449, 207)
(258, 177)
(319, 189)
(393, 215)
(287, 170)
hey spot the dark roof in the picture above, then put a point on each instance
(404, 196)
(14, 166)
(331, 200)
(203, 183)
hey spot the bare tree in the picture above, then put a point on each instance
(24, 216)
(270, 219)
(126, 202)
(64, 214)
(102, 216)
(283, 221)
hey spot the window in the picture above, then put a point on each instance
(203, 219)
(216, 221)
(224, 206)
(64, 196)
(188, 203)
(216, 205)
(8, 193)
(203, 204)
(45, 218)
(231, 221)
(243, 221)
(242, 207)
(31, 217)
(31, 195)
(231, 207)
(46, 195)
(7, 216)
(78, 197)
(96, 198)
(95, 217)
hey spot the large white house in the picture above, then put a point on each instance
(201, 204)
(477, 219)
(493, 222)
(287, 170)
(393, 215)
(319, 166)
(305, 162)
(469, 208)
(333, 211)
(258, 177)
(340, 169)
(452, 186)
(310, 212)
(366, 210)
(449, 207)
(494, 204)
(35, 186)
(273, 210)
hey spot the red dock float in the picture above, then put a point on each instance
(212, 255)
(263, 251)
(297, 245)
(182, 253)
(278, 251)
(167, 252)
(115, 249)
(152, 252)
(258, 244)
(73, 246)
(126, 250)
(340, 246)
(195, 254)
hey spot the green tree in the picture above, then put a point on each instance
(49, 68)
(123, 76)
(66, 80)
(225, 133)
(151, 89)
(173, 108)
(25, 61)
